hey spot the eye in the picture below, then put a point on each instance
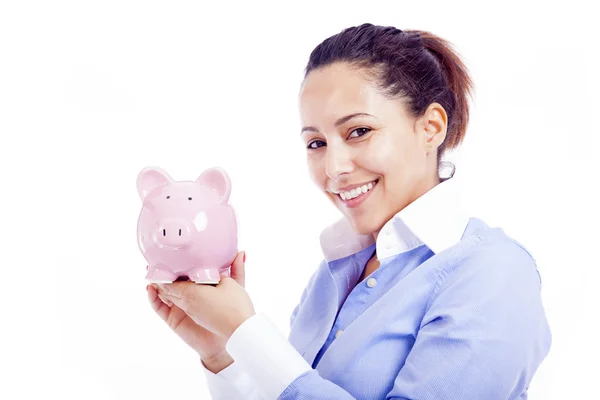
(361, 131)
(189, 198)
(168, 197)
(312, 144)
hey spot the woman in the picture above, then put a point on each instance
(414, 298)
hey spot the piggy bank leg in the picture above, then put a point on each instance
(157, 275)
(204, 275)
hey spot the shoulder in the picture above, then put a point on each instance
(492, 263)
(317, 276)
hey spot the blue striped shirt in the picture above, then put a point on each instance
(453, 312)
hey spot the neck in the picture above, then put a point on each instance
(420, 191)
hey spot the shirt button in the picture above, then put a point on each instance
(338, 333)
(371, 282)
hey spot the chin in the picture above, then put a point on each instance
(363, 227)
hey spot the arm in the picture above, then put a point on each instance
(483, 336)
(273, 363)
(485, 331)
(227, 379)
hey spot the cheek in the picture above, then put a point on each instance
(389, 156)
(316, 171)
(380, 158)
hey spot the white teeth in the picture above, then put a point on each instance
(347, 195)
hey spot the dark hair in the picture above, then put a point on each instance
(414, 65)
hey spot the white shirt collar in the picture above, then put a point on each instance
(436, 219)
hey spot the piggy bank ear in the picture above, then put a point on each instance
(150, 178)
(217, 179)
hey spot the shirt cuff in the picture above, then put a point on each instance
(265, 354)
(230, 383)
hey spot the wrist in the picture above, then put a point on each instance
(218, 362)
(237, 323)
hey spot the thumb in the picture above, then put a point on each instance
(238, 272)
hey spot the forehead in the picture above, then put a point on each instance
(337, 89)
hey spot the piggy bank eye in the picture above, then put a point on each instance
(168, 197)
(189, 198)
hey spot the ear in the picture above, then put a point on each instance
(217, 179)
(150, 178)
(434, 125)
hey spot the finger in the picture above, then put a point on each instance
(176, 289)
(185, 295)
(166, 301)
(238, 271)
(174, 316)
(157, 304)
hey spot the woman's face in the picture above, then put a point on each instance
(364, 151)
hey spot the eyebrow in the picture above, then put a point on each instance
(339, 122)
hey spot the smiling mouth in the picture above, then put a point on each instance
(357, 192)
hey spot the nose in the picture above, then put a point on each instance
(339, 161)
(173, 233)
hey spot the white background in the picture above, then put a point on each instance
(93, 91)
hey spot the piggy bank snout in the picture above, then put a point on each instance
(173, 233)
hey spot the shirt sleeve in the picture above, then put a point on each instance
(231, 383)
(485, 331)
(279, 371)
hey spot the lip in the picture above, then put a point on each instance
(357, 201)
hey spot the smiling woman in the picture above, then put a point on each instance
(415, 298)
(381, 107)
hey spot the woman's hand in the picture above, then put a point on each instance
(208, 345)
(221, 309)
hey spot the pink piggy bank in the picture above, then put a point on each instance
(186, 228)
